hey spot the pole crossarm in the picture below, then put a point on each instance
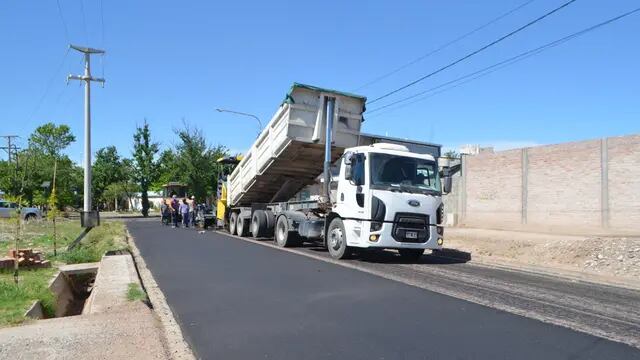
(86, 50)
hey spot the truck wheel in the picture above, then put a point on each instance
(283, 237)
(411, 254)
(242, 227)
(337, 240)
(271, 222)
(30, 217)
(233, 220)
(258, 224)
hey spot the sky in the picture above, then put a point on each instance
(176, 62)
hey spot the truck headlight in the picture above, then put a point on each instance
(375, 226)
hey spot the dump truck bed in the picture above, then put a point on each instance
(289, 153)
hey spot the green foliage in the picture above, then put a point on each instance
(54, 212)
(108, 169)
(15, 299)
(196, 162)
(451, 154)
(106, 237)
(144, 152)
(167, 169)
(135, 292)
(34, 166)
(51, 139)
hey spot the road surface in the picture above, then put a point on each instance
(238, 299)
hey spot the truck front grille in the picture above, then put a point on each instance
(405, 224)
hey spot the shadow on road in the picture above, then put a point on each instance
(437, 257)
(440, 257)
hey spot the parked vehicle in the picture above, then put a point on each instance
(8, 209)
(383, 194)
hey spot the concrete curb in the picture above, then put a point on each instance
(177, 347)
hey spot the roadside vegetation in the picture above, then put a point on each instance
(38, 173)
(15, 298)
(135, 292)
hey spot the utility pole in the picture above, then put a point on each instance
(89, 217)
(10, 147)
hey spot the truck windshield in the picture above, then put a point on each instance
(403, 173)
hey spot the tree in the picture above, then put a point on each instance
(113, 193)
(196, 161)
(167, 169)
(451, 154)
(107, 169)
(51, 139)
(144, 152)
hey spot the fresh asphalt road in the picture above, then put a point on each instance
(237, 299)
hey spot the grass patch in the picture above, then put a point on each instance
(135, 292)
(38, 235)
(15, 299)
(110, 235)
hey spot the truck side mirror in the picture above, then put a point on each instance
(348, 174)
(446, 184)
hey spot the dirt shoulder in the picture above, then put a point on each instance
(611, 260)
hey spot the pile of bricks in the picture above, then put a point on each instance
(25, 258)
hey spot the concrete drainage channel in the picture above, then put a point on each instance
(71, 287)
(82, 289)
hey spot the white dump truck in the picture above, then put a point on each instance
(374, 192)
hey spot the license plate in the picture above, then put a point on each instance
(411, 234)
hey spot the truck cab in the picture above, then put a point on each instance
(386, 197)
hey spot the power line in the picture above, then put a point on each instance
(84, 22)
(48, 87)
(474, 52)
(64, 23)
(102, 60)
(502, 64)
(102, 20)
(444, 46)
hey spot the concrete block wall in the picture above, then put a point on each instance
(579, 187)
(624, 182)
(492, 185)
(564, 183)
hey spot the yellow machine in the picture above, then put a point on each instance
(227, 163)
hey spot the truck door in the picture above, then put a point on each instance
(352, 195)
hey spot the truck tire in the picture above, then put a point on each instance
(337, 240)
(411, 254)
(258, 224)
(283, 237)
(271, 222)
(30, 217)
(242, 226)
(233, 223)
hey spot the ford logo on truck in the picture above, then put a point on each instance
(414, 203)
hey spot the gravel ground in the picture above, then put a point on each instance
(616, 257)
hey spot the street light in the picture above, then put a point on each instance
(243, 114)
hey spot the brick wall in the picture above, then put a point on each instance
(578, 187)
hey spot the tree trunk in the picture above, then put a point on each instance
(145, 203)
